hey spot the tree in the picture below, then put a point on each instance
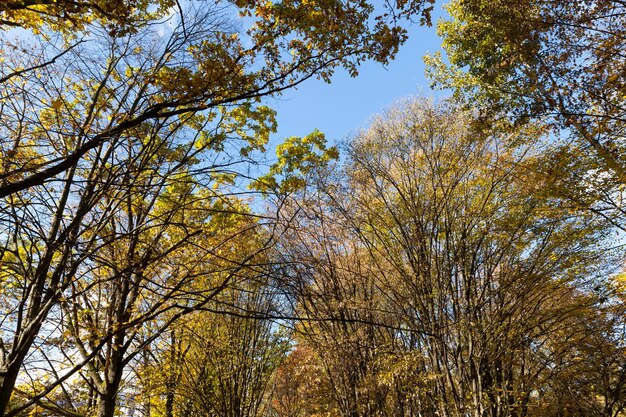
(41, 15)
(588, 380)
(159, 230)
(482, 279)
(346, 328)
(124, 195)
(476, 261)
(221, 361)
(138, 291)
(233, 370)
(558, 62)
(205, 64)
(300, 386)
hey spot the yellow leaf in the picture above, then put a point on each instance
(56, 104)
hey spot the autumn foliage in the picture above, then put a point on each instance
(455, 258)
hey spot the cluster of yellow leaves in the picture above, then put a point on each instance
(118, 15)
(298, 157)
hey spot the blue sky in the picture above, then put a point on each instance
(345, 105)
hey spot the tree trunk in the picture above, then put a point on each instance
(8, 374)
(8, 377)
(169, 403)
(113, 378)
(106, 406)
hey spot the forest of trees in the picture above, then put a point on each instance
(460, 257)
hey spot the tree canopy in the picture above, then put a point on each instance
(128, 128)
(454, 258)
(443, 282)
(560, 62)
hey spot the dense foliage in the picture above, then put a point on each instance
(443, 282)
(460, 259)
